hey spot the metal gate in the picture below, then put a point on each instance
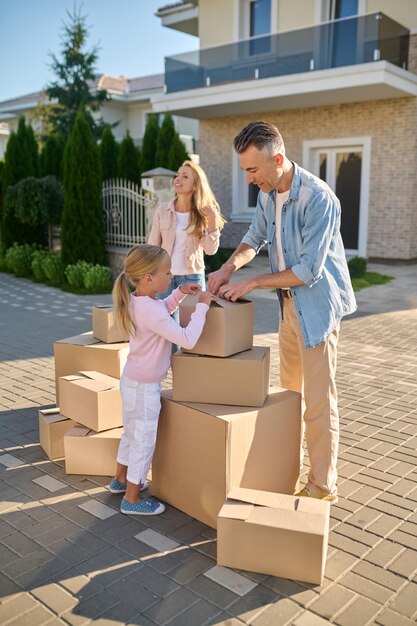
(128, 214)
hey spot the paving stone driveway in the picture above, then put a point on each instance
(68, 556)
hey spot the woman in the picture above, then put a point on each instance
(188, 226)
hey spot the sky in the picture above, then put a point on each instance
(132, 42)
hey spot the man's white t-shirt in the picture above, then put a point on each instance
(280, 199)
(178, 267)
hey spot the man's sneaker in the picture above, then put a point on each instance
(117, 487)
(146, 506)
(310, 491)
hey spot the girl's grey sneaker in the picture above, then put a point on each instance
(117, 487)
(146, 506)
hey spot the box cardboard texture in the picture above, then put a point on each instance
(86, 353)
(203, 450)
(52, 428)
(104, 327)
(228, 328)
(275, 534)
(91, 453)
(91, 399)
(241, 379)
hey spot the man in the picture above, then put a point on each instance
(298, 216)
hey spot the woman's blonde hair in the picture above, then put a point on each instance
(203, 197)
(141, 260)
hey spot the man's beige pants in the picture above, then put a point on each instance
(312, 373)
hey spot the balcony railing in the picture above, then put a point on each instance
(348, 41)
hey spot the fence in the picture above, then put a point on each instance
(128, 214)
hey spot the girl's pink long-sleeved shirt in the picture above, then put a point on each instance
(150, 349)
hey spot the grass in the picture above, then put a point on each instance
(369, 279)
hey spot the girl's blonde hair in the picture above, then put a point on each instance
(141, 260)
(203, 197)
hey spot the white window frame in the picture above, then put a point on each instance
(322, 10)
(242, 12)
(345, 143)
(241, 212)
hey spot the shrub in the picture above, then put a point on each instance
(54, 268)
(98, 279)
(215, 261)
(37, 265)
(357, 267)
(19, 259)
(76, 273)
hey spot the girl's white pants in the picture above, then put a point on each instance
(141, 404)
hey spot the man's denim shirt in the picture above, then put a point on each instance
(313, 248)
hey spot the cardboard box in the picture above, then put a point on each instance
(90, 453)
(52, 428)
(241, 379)
(104, 327)
(91, 399)
(86, 353)
(204, 450)
(228, 328)
(274, 534)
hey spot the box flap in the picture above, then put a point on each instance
(54, 419)
(191, 301)
(78, 431)
(108, 380)
(86, 339)
(236, 510)
(103, 307)
(72, 377)
(51, 411)
(242, 494)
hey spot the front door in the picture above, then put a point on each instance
(341, 169)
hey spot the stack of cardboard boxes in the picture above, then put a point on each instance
(228, 450)
(86, 429)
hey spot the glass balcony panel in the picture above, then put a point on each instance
(342, 42)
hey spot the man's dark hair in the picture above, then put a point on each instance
(261, 135)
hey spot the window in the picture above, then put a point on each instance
(259, 24)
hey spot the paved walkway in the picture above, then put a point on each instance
(69, 557)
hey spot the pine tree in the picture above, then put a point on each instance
(74, 74)
(165, 139)
(108, 153)
(21, 161)
(82, 224)
(177, 154)
(129, 160)
(150, 138)
(52, 156)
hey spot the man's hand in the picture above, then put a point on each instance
(234, 291)
(219, 278)
(190, 289)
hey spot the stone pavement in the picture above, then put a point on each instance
(68, 556)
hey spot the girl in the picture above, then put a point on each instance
(151, 329)
(188, 226)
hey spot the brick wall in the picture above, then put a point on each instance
(392, 126)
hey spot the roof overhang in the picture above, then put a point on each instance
(181, 17)
(379, 80)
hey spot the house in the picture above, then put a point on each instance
(129, 107)
(338, 78)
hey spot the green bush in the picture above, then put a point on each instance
(19, 259)
(76, 273)
(357, 267)
(54, 268)
(37, 265)
(98, 279)
(215, 261)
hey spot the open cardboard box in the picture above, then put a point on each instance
(275, 534)
(104, 327)
(52, 428)
(91, 453)
(228, 328)
(203, 450)
(86, 353)
(241, 379)
(92, 399)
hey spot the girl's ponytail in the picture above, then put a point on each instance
(121, 300)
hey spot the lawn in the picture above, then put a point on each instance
(369, 279)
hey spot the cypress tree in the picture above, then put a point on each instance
(108, 153)
(31, 147)
(177, 154)
(52, 156)
(129, 160)
(165, 139)
(82, 223)
(150, 138)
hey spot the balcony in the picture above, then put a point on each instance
(346, 60)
